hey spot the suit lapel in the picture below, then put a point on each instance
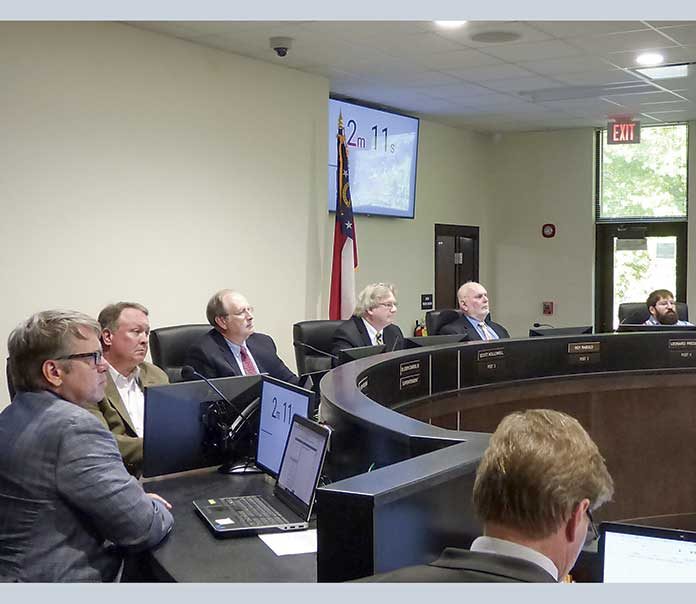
(226, 352)
(362, 330)
(256, 352)
(114, 399)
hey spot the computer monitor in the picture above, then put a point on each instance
(419, 342)
(353, 354)
(280, 401)
(631, 553)
(537, 332)
(174, 431)
(631, 327)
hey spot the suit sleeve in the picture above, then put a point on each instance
(281, 370)
(90, 474)
(201, 362)
(130, 447)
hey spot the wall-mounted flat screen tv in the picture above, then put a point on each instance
(382, 153)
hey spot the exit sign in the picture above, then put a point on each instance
(623, 133)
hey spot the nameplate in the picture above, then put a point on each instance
(583, 347)
(584, 359)
(410, 367)
(409, 382)
(682, 344)
(362, 384)
(492, 367)
(491, 353)
(682, 357)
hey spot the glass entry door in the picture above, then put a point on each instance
(634, 259)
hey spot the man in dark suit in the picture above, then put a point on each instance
(125, 328)
(232, 347)
(68, 507)
(535, 486)
(372, 321)
(475, 320)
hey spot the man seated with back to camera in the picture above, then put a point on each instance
(125, 329)
(232, 347)
(68, 507)
(371, 323)
(663, 309)
(475, 320)
(535, 487)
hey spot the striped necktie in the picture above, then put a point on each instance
(487, 335)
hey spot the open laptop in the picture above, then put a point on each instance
(290, 506)
(631, 553)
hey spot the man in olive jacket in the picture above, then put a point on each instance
(125, 332)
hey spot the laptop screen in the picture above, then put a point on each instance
(279, 402)
(641, 554)
(303, 460)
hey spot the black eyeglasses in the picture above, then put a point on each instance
(96, 357)
(592, 533)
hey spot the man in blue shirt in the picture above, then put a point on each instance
(663, 309)
(475, 320)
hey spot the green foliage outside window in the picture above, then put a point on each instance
(646, 180)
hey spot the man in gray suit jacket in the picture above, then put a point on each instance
(535, 486)
(68, 507)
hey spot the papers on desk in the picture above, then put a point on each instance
(294, 542)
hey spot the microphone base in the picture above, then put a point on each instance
(245, 466)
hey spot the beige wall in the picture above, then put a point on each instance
(543, 178)
(137, 166)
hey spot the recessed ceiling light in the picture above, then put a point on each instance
(665, 71)
(449, 24)
(649, 59)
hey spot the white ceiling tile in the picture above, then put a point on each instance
(458, 59)
(597, 78)
(675, 54)
(518, 84)
(571, 29)
(566, 65)
(533, 51)
(626, 41)
(492, 72)
(459, 91)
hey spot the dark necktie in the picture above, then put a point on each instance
(247, 364)
(378, 338)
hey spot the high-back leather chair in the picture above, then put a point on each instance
(169, 345)
(317, 334)
(435, 320)
(635, 313)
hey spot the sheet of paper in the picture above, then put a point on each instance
(294, 542)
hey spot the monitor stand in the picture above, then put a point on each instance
(243, 466)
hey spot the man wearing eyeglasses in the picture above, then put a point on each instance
(372, 323)
(68, 507)
(535, 487)
(233, 347)
(125, 329)
(475, 320)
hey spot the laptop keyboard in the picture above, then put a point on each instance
(254, 510)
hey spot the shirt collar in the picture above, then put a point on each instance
(121, 379)
(235, 348)
(493, 545)
(371, 331)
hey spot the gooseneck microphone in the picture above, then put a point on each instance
(312, 348)
(188, 372)
(543, 325)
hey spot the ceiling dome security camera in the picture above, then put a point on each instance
(281, 45)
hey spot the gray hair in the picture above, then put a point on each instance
(43, 336)
(371, 296)
(109, 315)
(216, 306)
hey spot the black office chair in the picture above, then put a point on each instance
(168, 347)
(10, 385)
(435, 320)
(317, 334)
(635, 313)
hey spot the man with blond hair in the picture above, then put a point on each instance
(69, 510)
(536, 486)
(372, 323)
(476, 319)
(125, 329)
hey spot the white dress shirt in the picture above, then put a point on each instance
(493, 545)
(132, 396)
(372, 332)
(235, 349)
